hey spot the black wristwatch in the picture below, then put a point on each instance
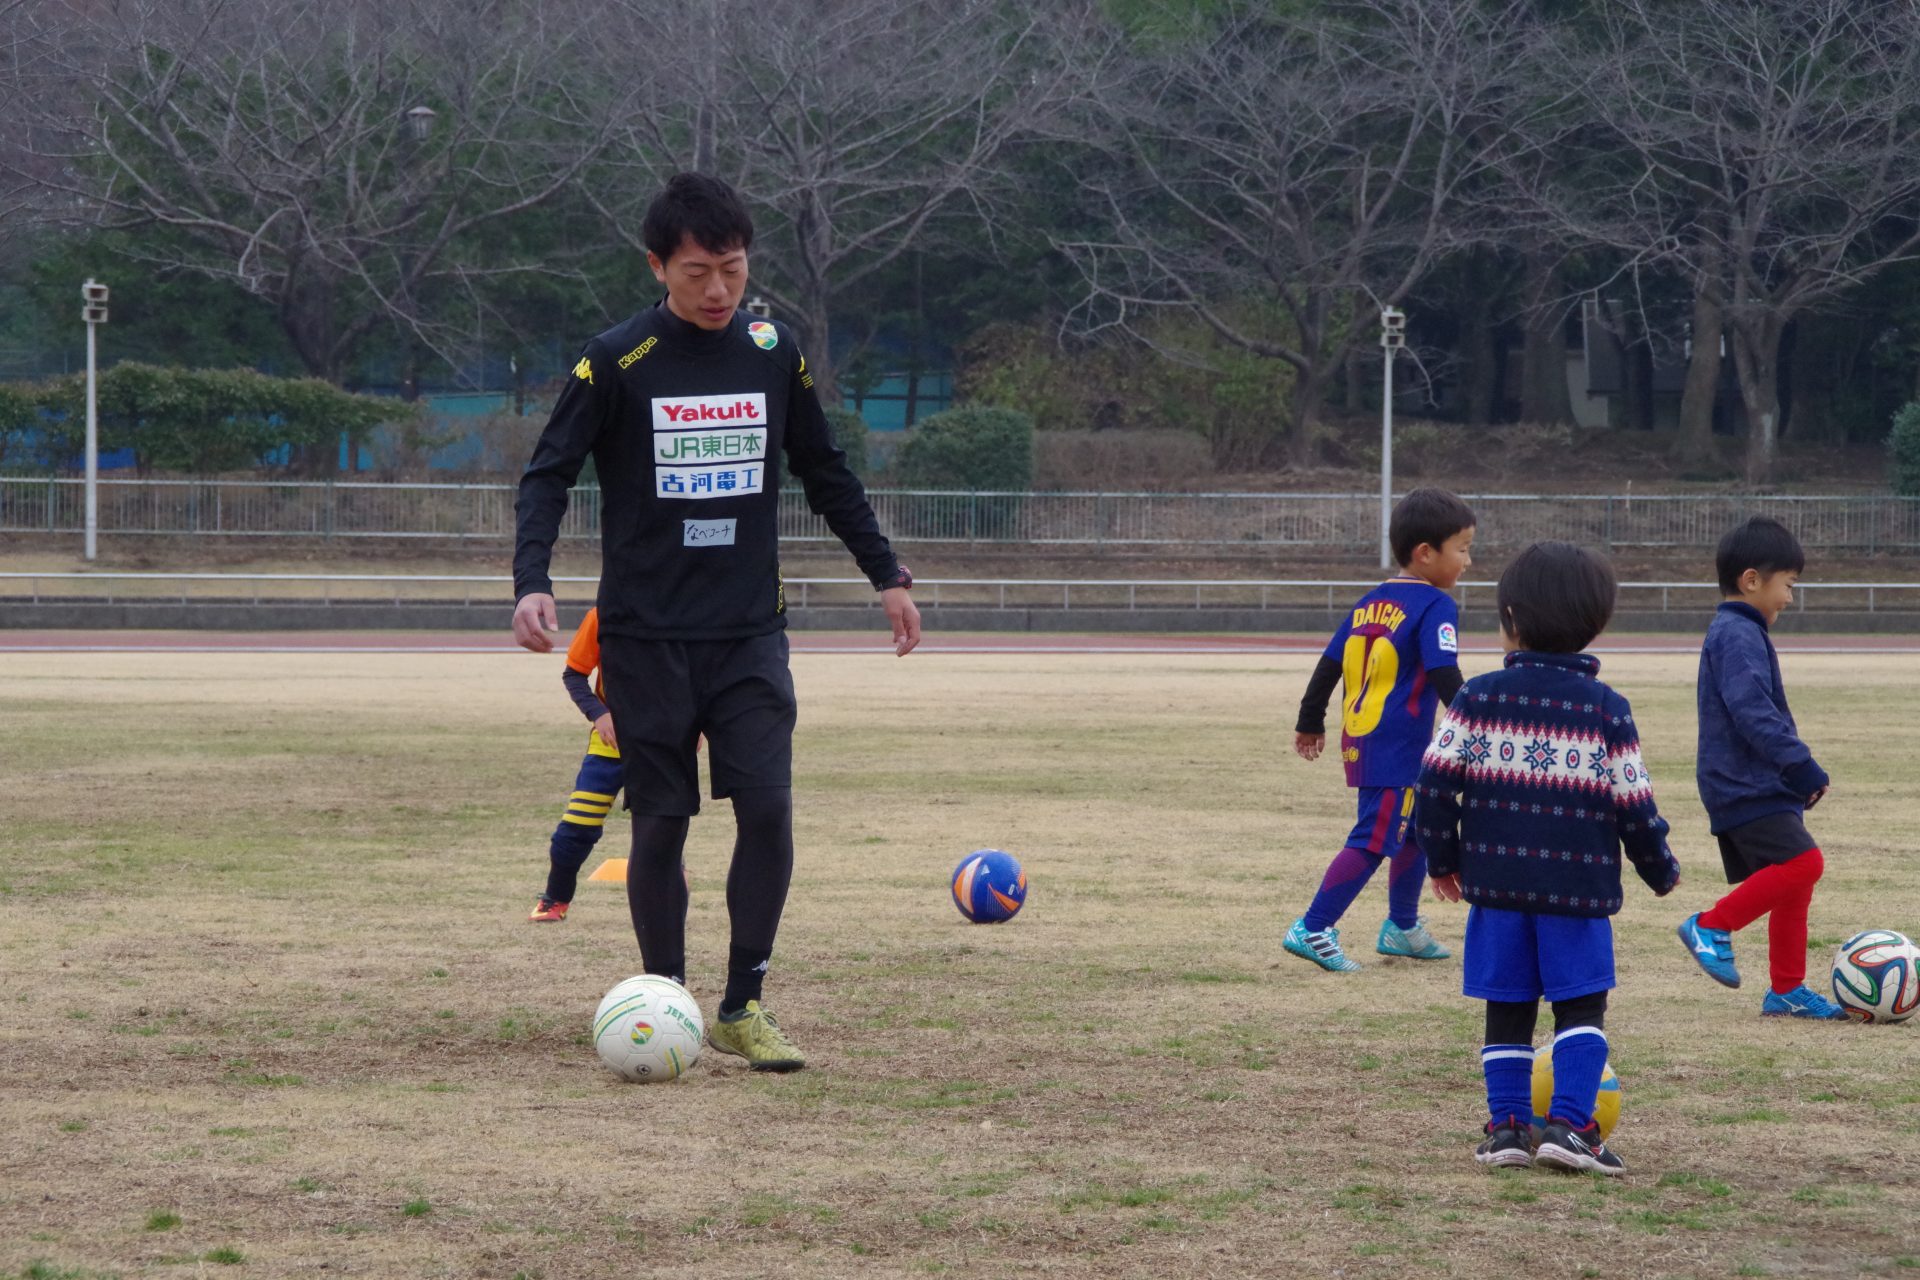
(902, 578)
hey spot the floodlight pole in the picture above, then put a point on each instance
(1393, 336)
(94, 314)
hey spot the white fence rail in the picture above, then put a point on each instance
(329, 510)
(132, 587)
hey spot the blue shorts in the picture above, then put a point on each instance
(1385, 813)
(1524, 955)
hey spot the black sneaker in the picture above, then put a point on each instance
(1577, 1150)
(1506, 1145)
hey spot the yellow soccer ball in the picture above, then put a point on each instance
(1606, 1106)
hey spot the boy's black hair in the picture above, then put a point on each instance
(1556, 597)
(1761, 543)
(1425, 515)
(694, 204)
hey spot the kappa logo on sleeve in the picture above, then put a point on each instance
(584, 370)
(1449, 638)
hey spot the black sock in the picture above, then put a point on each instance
(657, 894)
(566, 854)
(746, 970)
(756, 888)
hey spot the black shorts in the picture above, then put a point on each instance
(1764, 842)
(665, 693)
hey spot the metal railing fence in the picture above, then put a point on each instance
(152, 587)
(330, 510)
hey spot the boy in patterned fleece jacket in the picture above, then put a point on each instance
(1531, 790)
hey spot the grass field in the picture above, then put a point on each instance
(268, 1005)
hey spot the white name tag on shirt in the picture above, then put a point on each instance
(707, 533)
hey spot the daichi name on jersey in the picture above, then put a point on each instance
(1379, 613)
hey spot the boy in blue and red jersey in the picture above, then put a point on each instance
(1398, 656)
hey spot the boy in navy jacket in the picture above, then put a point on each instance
(1528, 795)
(1756, 777)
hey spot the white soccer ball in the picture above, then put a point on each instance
(1876, 976)
(648, 1029)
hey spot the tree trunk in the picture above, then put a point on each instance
(1756, 362)
(1483, 364)
(1543, 370)
(1694, 443)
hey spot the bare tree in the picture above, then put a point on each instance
(1774, 152)
(852, 126)
(1279, 176)
(334, 157)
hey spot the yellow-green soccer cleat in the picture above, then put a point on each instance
(754, 1035)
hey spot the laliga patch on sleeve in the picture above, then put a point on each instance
(1449, 638)
(707, 533)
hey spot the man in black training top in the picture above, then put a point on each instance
(687, 409)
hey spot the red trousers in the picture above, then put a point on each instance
(1781, 891)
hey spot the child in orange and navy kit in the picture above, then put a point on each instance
(1756, 777)
(1532, 790)
(1398, 655)
(597, 783)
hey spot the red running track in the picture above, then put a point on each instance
(964, 642)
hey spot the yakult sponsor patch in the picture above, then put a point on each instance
(709, 446)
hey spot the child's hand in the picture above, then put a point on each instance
(1308, 746)
(604, 727)
(1447, 888)
(1815, 798)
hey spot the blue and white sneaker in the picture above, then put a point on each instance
(1323, 948)
(1712, 948)
(1801, 1002)
(1415, 943)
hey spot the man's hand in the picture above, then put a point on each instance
(604, 727)
(1308, 746)
(905, 617)
(533, 617)
(1819, 795)
(1447, 888)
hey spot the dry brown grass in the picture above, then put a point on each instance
(265, 973)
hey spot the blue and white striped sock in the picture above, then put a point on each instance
(1509, 1072)
(1579, 1056)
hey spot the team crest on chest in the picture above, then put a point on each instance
(764, 335)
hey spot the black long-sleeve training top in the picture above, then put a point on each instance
(687, 428)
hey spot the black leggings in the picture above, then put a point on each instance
(756, 883)
(1512, 1021)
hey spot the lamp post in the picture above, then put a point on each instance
(94, 312)
(759, 306)
(420, 122)
(1393, 336)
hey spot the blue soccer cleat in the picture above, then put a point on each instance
(1712, 948)
(1801, 1002)
(1323, 948)
(1415, 943)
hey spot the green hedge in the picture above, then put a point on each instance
(1903, 450)
(198, 421)
(971, 447)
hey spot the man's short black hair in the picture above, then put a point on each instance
(1556, 597)
(697, 205)
(1425, 515)
(1761, 543)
